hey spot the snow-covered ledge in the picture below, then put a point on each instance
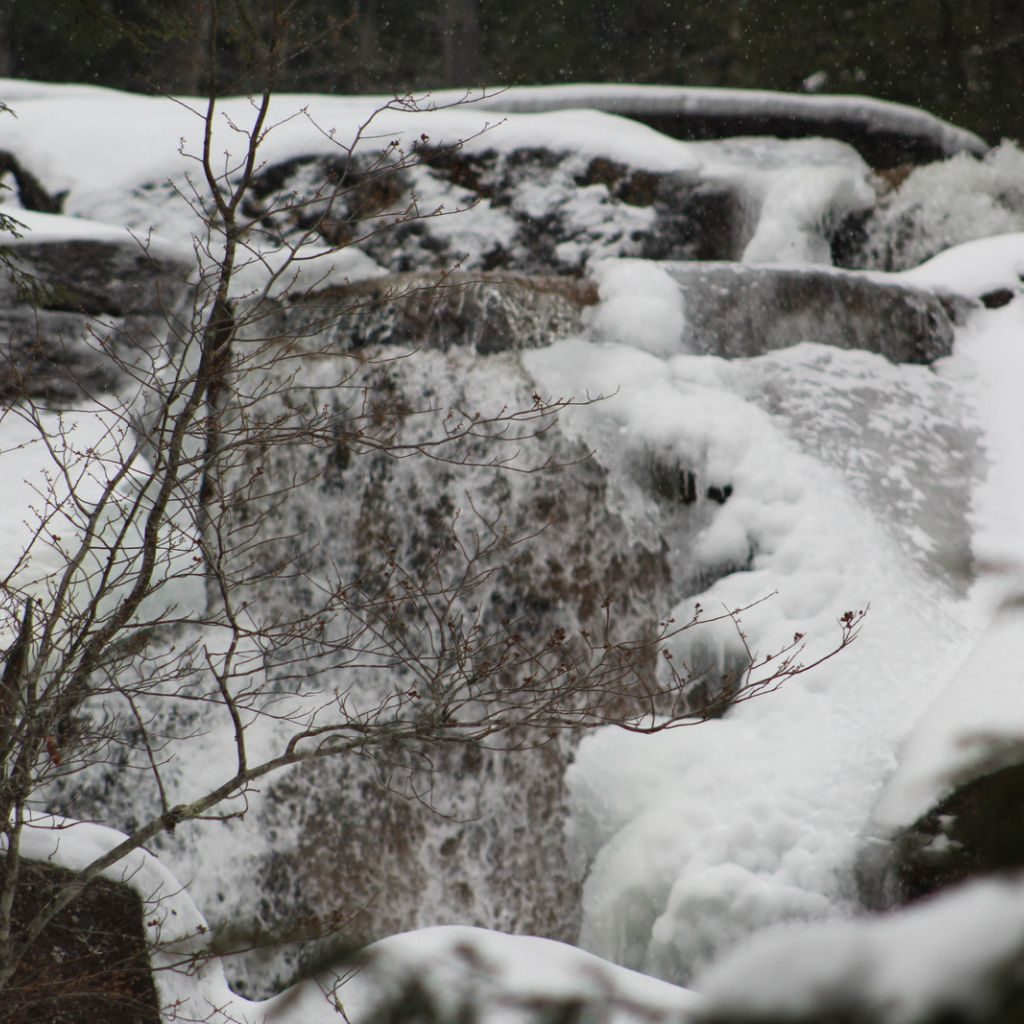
(456, 971)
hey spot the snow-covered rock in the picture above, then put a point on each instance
(935, 207)
(146, 918)
(886, 134)
(952, 960)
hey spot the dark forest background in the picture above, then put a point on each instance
(961, 59)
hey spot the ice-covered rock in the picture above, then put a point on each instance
(738, 310)
(840, 438)
(936, 207)
(529, 210)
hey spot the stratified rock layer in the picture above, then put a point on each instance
(735, 310)
(76, 310)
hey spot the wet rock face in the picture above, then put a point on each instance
(977, 830)
(80, 307)
(737, 310)
(482, 841)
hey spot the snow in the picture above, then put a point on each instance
(975, 268)
(91, 443)
(794, 197)
(929, 960)
(503, 977)
(640, 306)
(977, 719)
(146, 152)
(51, 227)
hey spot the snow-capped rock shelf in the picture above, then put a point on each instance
(885, 134)
(772, 424)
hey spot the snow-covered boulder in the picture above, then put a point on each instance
(444, 974)
(952, 960)
(935, 207)
(955, 807)
(886, 134)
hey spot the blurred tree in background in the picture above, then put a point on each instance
(962, 59)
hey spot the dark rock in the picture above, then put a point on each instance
(736, 310)
(673, 482)
(89, 964)
(75, 309)
(98, 277)
(977, 830)
(849, 240)
(880, 147)
(998, 298)
(31, 193)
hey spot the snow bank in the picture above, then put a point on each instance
(976, 723)
(957, 954)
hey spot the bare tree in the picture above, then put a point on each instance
(140, 585)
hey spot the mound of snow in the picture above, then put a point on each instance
(953, 958)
